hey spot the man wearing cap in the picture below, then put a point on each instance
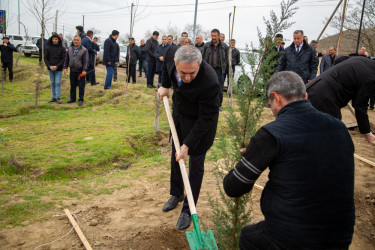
(7, 49)
(109, 57)
(80, 32)
(42, 45)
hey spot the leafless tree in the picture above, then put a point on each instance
(189, 28)
(43, 11)
(352, 21)
(24, 44)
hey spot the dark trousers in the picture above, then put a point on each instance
(142, 66)
(9, 66)
(91, 74)
(159, 78)
(151, 73)
(115, 72)
(74, 82)
(256, 237)
(196, 171)
(220, 76)
(132, 72)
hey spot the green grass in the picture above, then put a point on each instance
(65, 152)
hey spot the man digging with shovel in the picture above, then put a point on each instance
(195, 114)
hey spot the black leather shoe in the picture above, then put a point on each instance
(184, 221)
(172, 203)
(70, 101)
(52, 100)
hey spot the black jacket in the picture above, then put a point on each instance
(353, 79)
(195, 105)
(305, 63)
(143, 53)
(223, 54)
(161, 50)
(235, 57)
(110, 51)
(200, 47)
(89, 45)
(55, 54)
(151, 45)
(7, 53)
(39, 43)
(135, 54)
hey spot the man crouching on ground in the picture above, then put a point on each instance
(77, 58)
(195, 114)
(308, 201)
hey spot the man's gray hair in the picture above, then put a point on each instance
(77, 36)
(182, 40)
(287, 84)
(188, 54)
(298, 31)
(333, 46)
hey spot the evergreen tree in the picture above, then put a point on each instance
(230, 215)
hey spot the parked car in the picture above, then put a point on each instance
(238, 73)
(30, 48)
(16, 40)
(123, 52)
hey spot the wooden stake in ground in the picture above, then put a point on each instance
(78, 230)
(364, 160)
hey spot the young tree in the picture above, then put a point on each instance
(230, 215)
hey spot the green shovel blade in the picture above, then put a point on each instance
(200, 239)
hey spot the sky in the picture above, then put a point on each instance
(107, 15)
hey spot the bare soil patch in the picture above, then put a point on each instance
(132, 218)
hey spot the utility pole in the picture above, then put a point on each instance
(195, 19)
(360, 25)
(19, 19)
(57, 12)
(83, 22)
(131, 20)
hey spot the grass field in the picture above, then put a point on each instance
(61, 152)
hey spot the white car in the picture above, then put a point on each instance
(30, 48)
(123, 52)
(239, 73)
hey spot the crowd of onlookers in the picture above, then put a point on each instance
(301, 57)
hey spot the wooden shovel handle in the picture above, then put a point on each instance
(181, 162)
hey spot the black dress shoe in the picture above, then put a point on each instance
(184, 221)
(52, 100)
(70, 101)
(95, 84)
(108, 88)
(151, 86)
(172, 203)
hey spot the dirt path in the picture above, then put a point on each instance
(132, 217)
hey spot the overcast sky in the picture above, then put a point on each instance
(106, 15)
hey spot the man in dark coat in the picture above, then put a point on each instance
(77, 59)
(143, 59)
(80, 31)
(109, 57)
(199, 44)
(159, 55)
(351, 80)
(300, 57)
(7, 49)
(215, 53)
(235, 54)
(54, 59)
(131, 62)
(308, 200)
(328, 60)
(195, 114)
(41, 43)
(151, 45)
(89, 45)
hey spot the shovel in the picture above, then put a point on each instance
(197, 239)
